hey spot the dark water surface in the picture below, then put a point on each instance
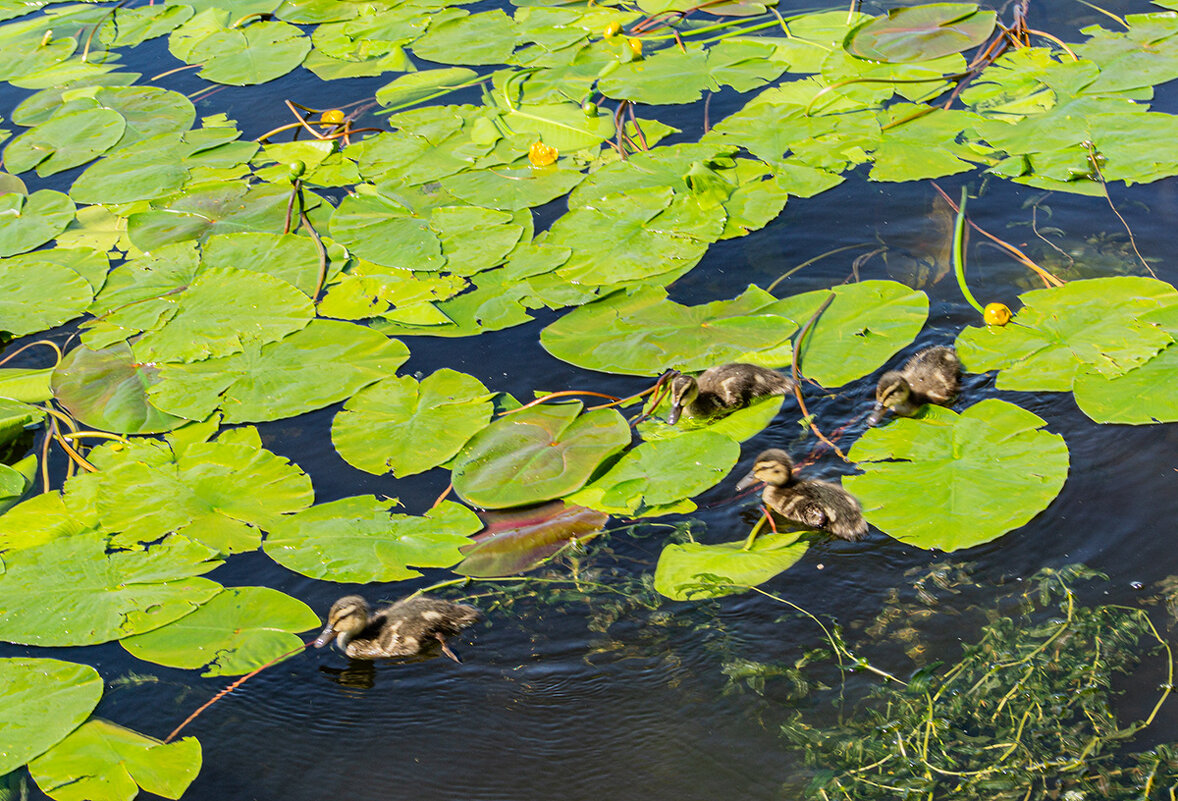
(543, 707)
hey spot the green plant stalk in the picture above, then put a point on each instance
(959, 253)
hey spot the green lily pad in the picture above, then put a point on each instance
(693, 570)
(26, 222)
(107, 389)
(405, 427)
(212, 208)
(949, 481)
(36, 521)
(921, 33)
(321, 364)
(25, 286)
(65, 141)
(537, 454)
(1140, 396)
(380, 230)
(517, 540)
(104, 762)
(71, 591)
(125, 176)
(641, 332)
(223, 311)
(44, 700)
(563, 126)
(1084, 326)
(862, 328)
(255, 53)
(221, 494)
(484, 38)
(418, 86)
(357, 540)
(239, 630)
(661, 473)
(741, 425)
(670, 75)
(512, 189)
(27, 385)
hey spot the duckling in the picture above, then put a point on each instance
(933, 375)
(723, 389)
(404, 629)
(814, 504)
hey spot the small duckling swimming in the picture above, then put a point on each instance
(933, 375)
(724, 388)
(814, 504)
(404, 629)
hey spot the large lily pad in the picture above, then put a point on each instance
(357, 540)
(1085, 326)
(239, 630)
(406, 427)
(26, 222)
(662, 473)
(1140, 396)
(517, 540)
(537, 454)
(222, 494)
(951, 481)
(921, 33)
(44, 700)
(38, 294)
(101, 761)
(71, 591)
(641, 332)
(239, 56)
(321, 364)
(107, 389)
(693, 570)
(65, 141)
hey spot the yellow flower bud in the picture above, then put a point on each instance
(996, 314)
(541, 155)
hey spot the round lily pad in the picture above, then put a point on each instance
(537, 454)
(239, 630)
(921, 33)
(107, 389)
(65, 141)
(358, 540)
(407, 427)
(26, 222)
(693, 570)
(44, 700)
(36, 295)
(950, 481)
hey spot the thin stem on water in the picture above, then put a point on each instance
(959, 253)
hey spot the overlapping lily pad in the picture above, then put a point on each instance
(358, 540)
(950, 481)
(240, 629)
(44, 700)
(26, 222)
(72, 591)
(1093, 326)
(102, 761)
(537, 454)
(65, 141)
(921, 33)
(692, 570)
(107, 389)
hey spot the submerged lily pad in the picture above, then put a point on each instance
(107, 389)
(405, 427)
(239, 630)
(357, 540)
(101, 761)
(44, 700)
(71, 591)
(517, 540)
(1093, 326)
(537, 454)
(949, 481)
(692, 570)
(921, 33)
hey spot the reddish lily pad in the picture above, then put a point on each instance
(517, 540)
(921, 33)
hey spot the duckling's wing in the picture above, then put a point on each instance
(935, 374)
(739, 384)
(837, 509)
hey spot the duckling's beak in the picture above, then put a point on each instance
(325, 636)
(673, 415)
(746, 482)
(877, 414)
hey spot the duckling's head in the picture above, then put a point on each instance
(773, 467)
(892, 391)
(347, 618)
(684, 390)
